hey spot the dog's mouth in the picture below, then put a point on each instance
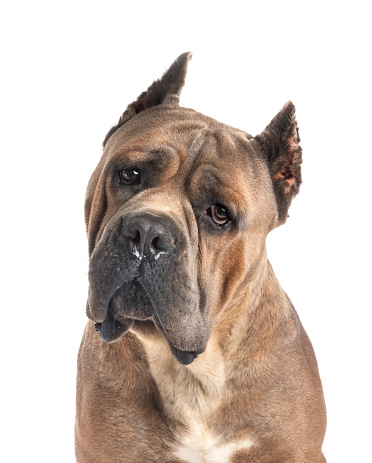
(111, 329)
(124, 289)
(116, 324)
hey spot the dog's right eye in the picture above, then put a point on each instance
(219, 214)
(129, 176)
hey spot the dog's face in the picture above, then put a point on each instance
(177, 214)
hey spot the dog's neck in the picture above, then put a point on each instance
(195, 390)
(186, 390)
(252, 319)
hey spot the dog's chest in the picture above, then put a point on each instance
(199, 445)
(191, 397)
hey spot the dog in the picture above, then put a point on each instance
(193, 353)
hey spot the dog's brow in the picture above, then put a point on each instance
(155, 154)
(212, 178)
(143, 156)
(158, 154)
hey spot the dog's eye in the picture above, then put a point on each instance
(219, 214)
(129, 176)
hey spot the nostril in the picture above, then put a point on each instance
(156, 243)
(137, 237)
(162, 241)
(132, 233)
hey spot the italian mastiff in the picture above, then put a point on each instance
(193, 353)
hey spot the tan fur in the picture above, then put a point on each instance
(254, 395)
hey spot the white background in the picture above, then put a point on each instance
(68, 71)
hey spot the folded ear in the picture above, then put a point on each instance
(164, 91)
(280, 143)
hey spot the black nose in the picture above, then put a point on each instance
(149, 235)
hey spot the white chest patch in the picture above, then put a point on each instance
(190, 395)
(201, 447)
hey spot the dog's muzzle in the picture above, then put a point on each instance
(148, 238)
(140, 270)
(133, 249)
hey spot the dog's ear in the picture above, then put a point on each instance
(280, 143)
(164, 91)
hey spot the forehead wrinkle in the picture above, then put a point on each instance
(220, 189)
(194, 150)
(241, 163)
(187, 161)
(133, 153)
(195, 156)
(223, 162)
(210, 154)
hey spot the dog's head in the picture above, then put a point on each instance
(177, 213)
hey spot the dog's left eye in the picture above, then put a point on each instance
(129, 176)
(219, 214)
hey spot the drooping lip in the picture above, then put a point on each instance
(112, 323)
(111, 329)
(183, 356)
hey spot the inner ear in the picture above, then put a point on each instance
(280, 143)
(287, 167)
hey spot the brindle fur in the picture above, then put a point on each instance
(254, 395)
